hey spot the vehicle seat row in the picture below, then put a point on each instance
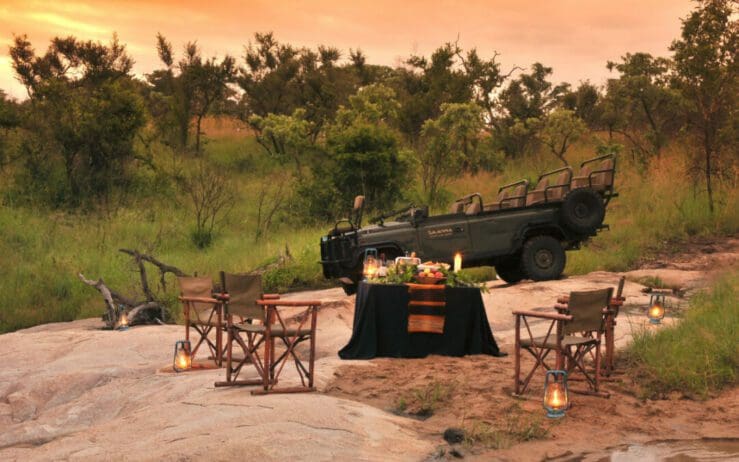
(597, 174)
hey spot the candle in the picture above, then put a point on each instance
(457, 262)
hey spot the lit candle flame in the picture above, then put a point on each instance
(556, 398)
(656, 311)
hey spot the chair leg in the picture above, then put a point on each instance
(517, 353)
(311, 365)
(229, 355)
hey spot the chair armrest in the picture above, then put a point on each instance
(288, 303)
(199, 299)
(536, 314)
(222, 297)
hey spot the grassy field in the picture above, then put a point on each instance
(43, 250)
(696, 357)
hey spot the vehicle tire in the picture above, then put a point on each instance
(583, 211)
(543, 258)
(509, 269)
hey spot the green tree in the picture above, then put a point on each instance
(522, 106)
(83, 113)
(452, 143)
(287, 138)
(189, 89)
(9, 120)
(706, 72)
(584, 102)
(560, 129)
(362, 155)
(645, 103)
(427, 83)
(279, 78)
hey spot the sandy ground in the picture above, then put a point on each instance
(74, 391)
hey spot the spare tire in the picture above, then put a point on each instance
(583, 211)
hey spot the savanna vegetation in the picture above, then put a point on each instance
(216, 163)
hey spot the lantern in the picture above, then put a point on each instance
(556, 399)
(371, 264)
(457, 262)
(123, 321)
(182, 358)
(656, 310)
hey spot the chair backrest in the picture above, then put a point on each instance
(542, 184)
(520, 194)
(586, 309)
(563, 179)
(473, 209)
(457, 207)
(243, 291)
(604, 178)
(197, 287)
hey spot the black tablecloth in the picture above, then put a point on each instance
(381, 325)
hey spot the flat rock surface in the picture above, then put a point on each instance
(74, 391)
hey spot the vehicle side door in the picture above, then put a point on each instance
(442, 236)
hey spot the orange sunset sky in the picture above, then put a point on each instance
(576, 38)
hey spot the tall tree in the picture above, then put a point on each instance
(523, 105)
(279, 78)
(190, 88)
(452, 143)
(560, 129)
(84, 112)
(425, 84)
(646, 104)
(707, 74)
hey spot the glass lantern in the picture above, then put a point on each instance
(656, 311)
(556, 394)
(182, 357)
(371, 263)
(122, 321)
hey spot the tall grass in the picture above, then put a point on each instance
(699, 355)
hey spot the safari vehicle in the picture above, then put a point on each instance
(523, 233)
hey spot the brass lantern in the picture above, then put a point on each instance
(371, 263)
(182, 357)
(656, 311)
(123, 321)
(556, 393)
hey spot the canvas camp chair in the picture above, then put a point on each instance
(259, 328)
(571, 336)
(611, 314)
(202, 314)
(240, 293)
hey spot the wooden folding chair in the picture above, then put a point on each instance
(572, 335)
(203, 314)
(291, 331)
(243, 315)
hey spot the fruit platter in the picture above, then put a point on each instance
(431, 273)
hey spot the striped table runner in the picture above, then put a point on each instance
(426, 308)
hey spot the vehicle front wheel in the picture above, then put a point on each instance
(509, 269)
(543, 258)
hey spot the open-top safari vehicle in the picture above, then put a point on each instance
(523, 234)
